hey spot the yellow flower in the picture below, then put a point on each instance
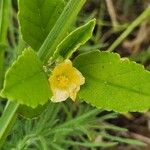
(65, 81)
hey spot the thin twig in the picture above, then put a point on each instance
(112, 13)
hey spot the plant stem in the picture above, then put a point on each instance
(4, 21)
(60, 29)
(7, 119)
(130, 28)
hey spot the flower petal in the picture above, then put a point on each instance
(73, 92)
(82, 79)
(59, 95)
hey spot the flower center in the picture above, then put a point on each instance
(63, 81)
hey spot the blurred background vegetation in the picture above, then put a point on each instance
(79, 126)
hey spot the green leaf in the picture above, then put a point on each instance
(60, 29)
(37, 18)
(74, 40)
(26, 82)
(113, 83)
